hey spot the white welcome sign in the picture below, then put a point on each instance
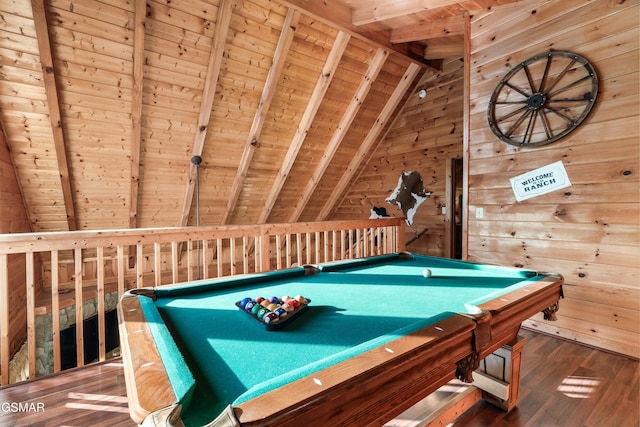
(540, 181)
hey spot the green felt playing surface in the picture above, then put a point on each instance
(353, 310)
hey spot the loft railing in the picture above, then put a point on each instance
(46, 273)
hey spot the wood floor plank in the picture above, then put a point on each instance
(563, 384)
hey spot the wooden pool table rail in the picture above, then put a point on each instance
(369, 388)
(148, 387)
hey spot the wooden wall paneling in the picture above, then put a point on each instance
(588, 232)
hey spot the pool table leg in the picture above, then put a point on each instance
(550, 312)
(499, 375)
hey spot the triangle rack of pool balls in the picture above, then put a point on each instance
(274, 312)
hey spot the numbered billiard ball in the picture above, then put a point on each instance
(270, 317)
(288, 307)
(281, 312)
(294, 303)
(255, 309)
(249, 306)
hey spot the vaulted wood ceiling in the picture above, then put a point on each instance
(104, 104)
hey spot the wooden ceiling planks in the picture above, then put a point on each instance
(211, 80)
(279, 57)
(27, 127)
(144, 86)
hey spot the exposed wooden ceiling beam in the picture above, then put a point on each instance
(436, 28)
(343, 127)
(213, 72)
(140, 13)
(48, 72)
(320, 89)
(338, 15)
(386, 9)
(269, 90)
(385, 118)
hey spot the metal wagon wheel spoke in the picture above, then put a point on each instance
(542, 99)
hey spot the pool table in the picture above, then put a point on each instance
(377, 335)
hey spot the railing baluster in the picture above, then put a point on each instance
(219, 257)
(101, 309)
(31, 316)
(232, 255)
(157, 276)
(79, 309)
(5, 354)
(128, 266)
(121, 260)
(55, 310)
(205, 259)
(139, 266)
(245, 254)
(174, 262)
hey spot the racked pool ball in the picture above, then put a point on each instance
(270, 317)
(288, 307)
(255, 309)
(244, 301)
(300, 299)
(281, 312)
(249, 306)
(294, 303)
(262, 312)
(259, 300)
(274, 300)
(272, 307)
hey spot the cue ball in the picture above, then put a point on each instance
(426, 272)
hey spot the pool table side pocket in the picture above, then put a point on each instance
(150, 394)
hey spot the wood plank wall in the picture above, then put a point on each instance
(424, 137)
(589, 232)
(13, 219)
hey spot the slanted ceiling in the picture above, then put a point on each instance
(104, 104)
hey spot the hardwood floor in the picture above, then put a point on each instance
(563, 384)
(91, 396)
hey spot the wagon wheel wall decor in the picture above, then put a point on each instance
(542, 99)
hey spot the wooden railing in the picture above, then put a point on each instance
(46, 272)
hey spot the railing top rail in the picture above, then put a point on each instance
(68, 240)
